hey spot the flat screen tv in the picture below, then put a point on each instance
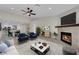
(69, 19)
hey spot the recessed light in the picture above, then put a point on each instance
(12, 8)
(50, 8)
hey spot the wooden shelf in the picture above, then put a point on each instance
(69, 25)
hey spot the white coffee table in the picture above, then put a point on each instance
(41, 51)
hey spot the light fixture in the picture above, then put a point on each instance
(50, 8)
(12, 8)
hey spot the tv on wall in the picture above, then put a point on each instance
(69, 19)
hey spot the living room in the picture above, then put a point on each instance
(32, 29)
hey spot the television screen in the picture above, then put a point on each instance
(69, 19)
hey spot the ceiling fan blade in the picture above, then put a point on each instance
(31, 10)
(33, 14)
(23, 13)
(23, 10)
(28, 8)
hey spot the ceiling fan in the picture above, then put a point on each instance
(29, 12)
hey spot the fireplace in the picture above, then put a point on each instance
(66, 37)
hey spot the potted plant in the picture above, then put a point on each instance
(55, 35)
(38, 30)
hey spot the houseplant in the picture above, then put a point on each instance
(38, 30)
(55, 35)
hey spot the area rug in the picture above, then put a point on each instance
(24, 49)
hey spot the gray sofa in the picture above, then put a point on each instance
(69, 50)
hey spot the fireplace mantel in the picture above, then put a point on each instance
(69, 25)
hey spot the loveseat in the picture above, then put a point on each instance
(22, 37)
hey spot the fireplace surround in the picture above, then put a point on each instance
(66, 37)
(74, 35)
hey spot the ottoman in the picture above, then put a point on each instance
(69, 51)
(40, 48)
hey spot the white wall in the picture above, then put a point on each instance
(7, 18)
(47, 21)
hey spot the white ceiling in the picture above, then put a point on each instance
(41, 11)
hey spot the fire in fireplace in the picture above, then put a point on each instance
(66, 37)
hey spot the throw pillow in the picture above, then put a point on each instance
(7, 43)
(3, 48)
